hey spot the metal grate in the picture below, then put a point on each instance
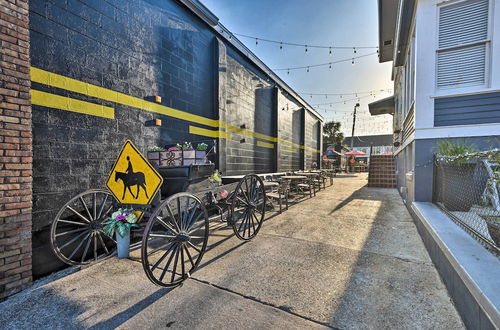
(467, 188)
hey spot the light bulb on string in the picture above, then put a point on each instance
(330, 51)
(354, 49)
(352, 63)
(256, 41)
(330, 66)
(281, 46)
(307, 69)
(306, 48)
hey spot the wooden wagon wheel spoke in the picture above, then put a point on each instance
(172, 216)
(78, 214)
(79, 246)
(86, 208)
(71, 231)
(166, 225)
(163, 256)
(164, 271)
(78, 225)
(187, 227)
(244, 219)
(86, 249)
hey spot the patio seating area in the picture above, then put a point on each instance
(291, 187)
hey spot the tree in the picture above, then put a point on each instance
(331, 133)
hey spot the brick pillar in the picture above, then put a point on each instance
(15, 149)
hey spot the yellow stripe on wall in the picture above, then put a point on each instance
(208, 132)
(265, 144)
(59, 81)
(69, 104)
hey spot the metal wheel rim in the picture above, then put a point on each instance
(84, 234)
(248, 207)
(173, 245)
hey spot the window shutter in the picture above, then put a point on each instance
(463, 25)
(462, 67)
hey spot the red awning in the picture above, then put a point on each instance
(355, 153)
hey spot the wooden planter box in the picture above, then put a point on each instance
(188, 157)
(200, 157)
(171, 158)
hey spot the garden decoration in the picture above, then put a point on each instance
(120, 223)
(177, 211)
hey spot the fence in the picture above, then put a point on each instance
(467, 188)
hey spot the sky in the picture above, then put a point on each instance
(347, 23)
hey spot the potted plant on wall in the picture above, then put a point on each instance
(119, 224)
(201, 152)
(188, 154)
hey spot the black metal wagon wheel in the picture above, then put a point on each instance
(175, 239)
(76, 233)
(248, 207)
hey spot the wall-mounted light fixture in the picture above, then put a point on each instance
(243, 126)
(243, 140)
(158, 99)
(153, 122)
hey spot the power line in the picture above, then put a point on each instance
(305, 46)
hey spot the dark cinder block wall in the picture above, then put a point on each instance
(144, 48)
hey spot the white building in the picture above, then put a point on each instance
(446, 72)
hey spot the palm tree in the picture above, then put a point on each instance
(331, 133)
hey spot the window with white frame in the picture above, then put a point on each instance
(463, 43)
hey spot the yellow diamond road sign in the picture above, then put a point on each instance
(133, 179)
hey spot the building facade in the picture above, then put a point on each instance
(446, 72)
(94, 69)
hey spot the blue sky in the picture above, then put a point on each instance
(322, 22)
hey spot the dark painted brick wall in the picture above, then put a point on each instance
(249, 101)
(141, 48)
(290, 118)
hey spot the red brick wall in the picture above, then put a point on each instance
(382, 171)
(15, 149)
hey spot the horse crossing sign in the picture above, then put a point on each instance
(133, 180)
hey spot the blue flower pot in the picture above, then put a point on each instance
(122, 245)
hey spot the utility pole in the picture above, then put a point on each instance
(353, 124)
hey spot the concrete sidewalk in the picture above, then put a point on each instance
(348, 258)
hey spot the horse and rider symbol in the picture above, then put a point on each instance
(130, 179)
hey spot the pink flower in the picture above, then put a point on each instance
(121, 217)
(223, 194)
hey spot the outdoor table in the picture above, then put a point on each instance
(270, 184)
(293, 179)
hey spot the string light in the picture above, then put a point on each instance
(329, 47)
(352, 63)
(330, 66)
(324, 64)
(281, 46)
(306, 48)
(354, 48)
(307, 69)
(331, 51)
(256, 41)
(350, 93)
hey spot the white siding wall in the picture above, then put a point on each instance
(426, 32)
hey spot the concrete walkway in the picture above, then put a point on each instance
(349, 258)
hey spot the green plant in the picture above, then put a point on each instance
(155, 148)
(121, 221)
(215, 177)
(449, 148)
(202, 146)
(186, 146)
(331, 133)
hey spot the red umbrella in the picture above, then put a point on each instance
(355, 153)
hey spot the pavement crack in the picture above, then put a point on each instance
(285, 309)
